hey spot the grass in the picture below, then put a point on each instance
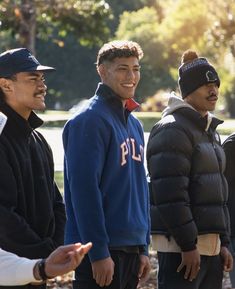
(148, 119)
(59, 178)
(228, 127)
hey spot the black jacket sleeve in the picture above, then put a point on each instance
(16, 235)
(59, 212)
(229, 149)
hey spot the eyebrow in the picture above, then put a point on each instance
(126, 65)
(34, 73)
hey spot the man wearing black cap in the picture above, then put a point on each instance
(32, 212)
(188, 188)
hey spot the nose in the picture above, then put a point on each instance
(42, 84)
(213, 88)
(130, 74)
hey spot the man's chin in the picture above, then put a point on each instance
(40, 107)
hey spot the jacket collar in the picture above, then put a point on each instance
(108, 95)
(176, 104)
(17, 123)
(198, 120)
(111, 96)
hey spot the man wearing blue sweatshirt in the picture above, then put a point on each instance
(106, 192)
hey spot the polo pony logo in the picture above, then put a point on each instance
(211, 76)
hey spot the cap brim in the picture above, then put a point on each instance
(39, 68)
(44, 68)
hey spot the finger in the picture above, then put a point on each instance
(94, 275)
(98, 280)
(76, 258)
(70, 247)
(225, 257)
(194, 271)
(109, 280)
(229, 265)
(85, 248)
(144, 275)
(81, 252)
(187, 271)
(230, 262)
(140, 271)
(181, 266)
(102, 280)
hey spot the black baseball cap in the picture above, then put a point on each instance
(19, 60)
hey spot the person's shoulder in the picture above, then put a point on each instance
(133, 118)
(169, 122)
(90, 116)
(85, 109)
(229, 140)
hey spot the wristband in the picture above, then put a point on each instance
(41, 269)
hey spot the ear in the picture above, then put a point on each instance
(5, 85)
(101, 69)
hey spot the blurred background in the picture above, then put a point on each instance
(67, 35)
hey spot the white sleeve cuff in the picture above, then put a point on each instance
(15, 270)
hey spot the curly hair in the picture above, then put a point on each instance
(118, 48)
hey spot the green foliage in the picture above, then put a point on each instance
(75, 77)
(165, 33)
(55, 19)
(137, 23)
(120, 6)
(221, 34)
(59, 179)
(164, 29)
(143, 27)
(227, 90)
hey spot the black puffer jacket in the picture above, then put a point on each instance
(186, 164)
(229, 148)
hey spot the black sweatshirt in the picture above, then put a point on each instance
(32, 214)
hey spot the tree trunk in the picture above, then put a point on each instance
(27, 29)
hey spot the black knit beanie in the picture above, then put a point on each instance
(194, 72)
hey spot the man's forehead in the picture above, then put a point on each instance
(126, 61)
(30, 73)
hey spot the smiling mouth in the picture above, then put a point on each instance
(128, 85)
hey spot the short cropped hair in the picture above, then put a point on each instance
(118, 48)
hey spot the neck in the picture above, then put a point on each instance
(25, 113)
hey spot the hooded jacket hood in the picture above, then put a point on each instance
(175, 102)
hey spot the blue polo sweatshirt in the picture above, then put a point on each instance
(106, 192)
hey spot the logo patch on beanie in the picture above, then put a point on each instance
(211, 76)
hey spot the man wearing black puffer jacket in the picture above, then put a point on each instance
(188, 189)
